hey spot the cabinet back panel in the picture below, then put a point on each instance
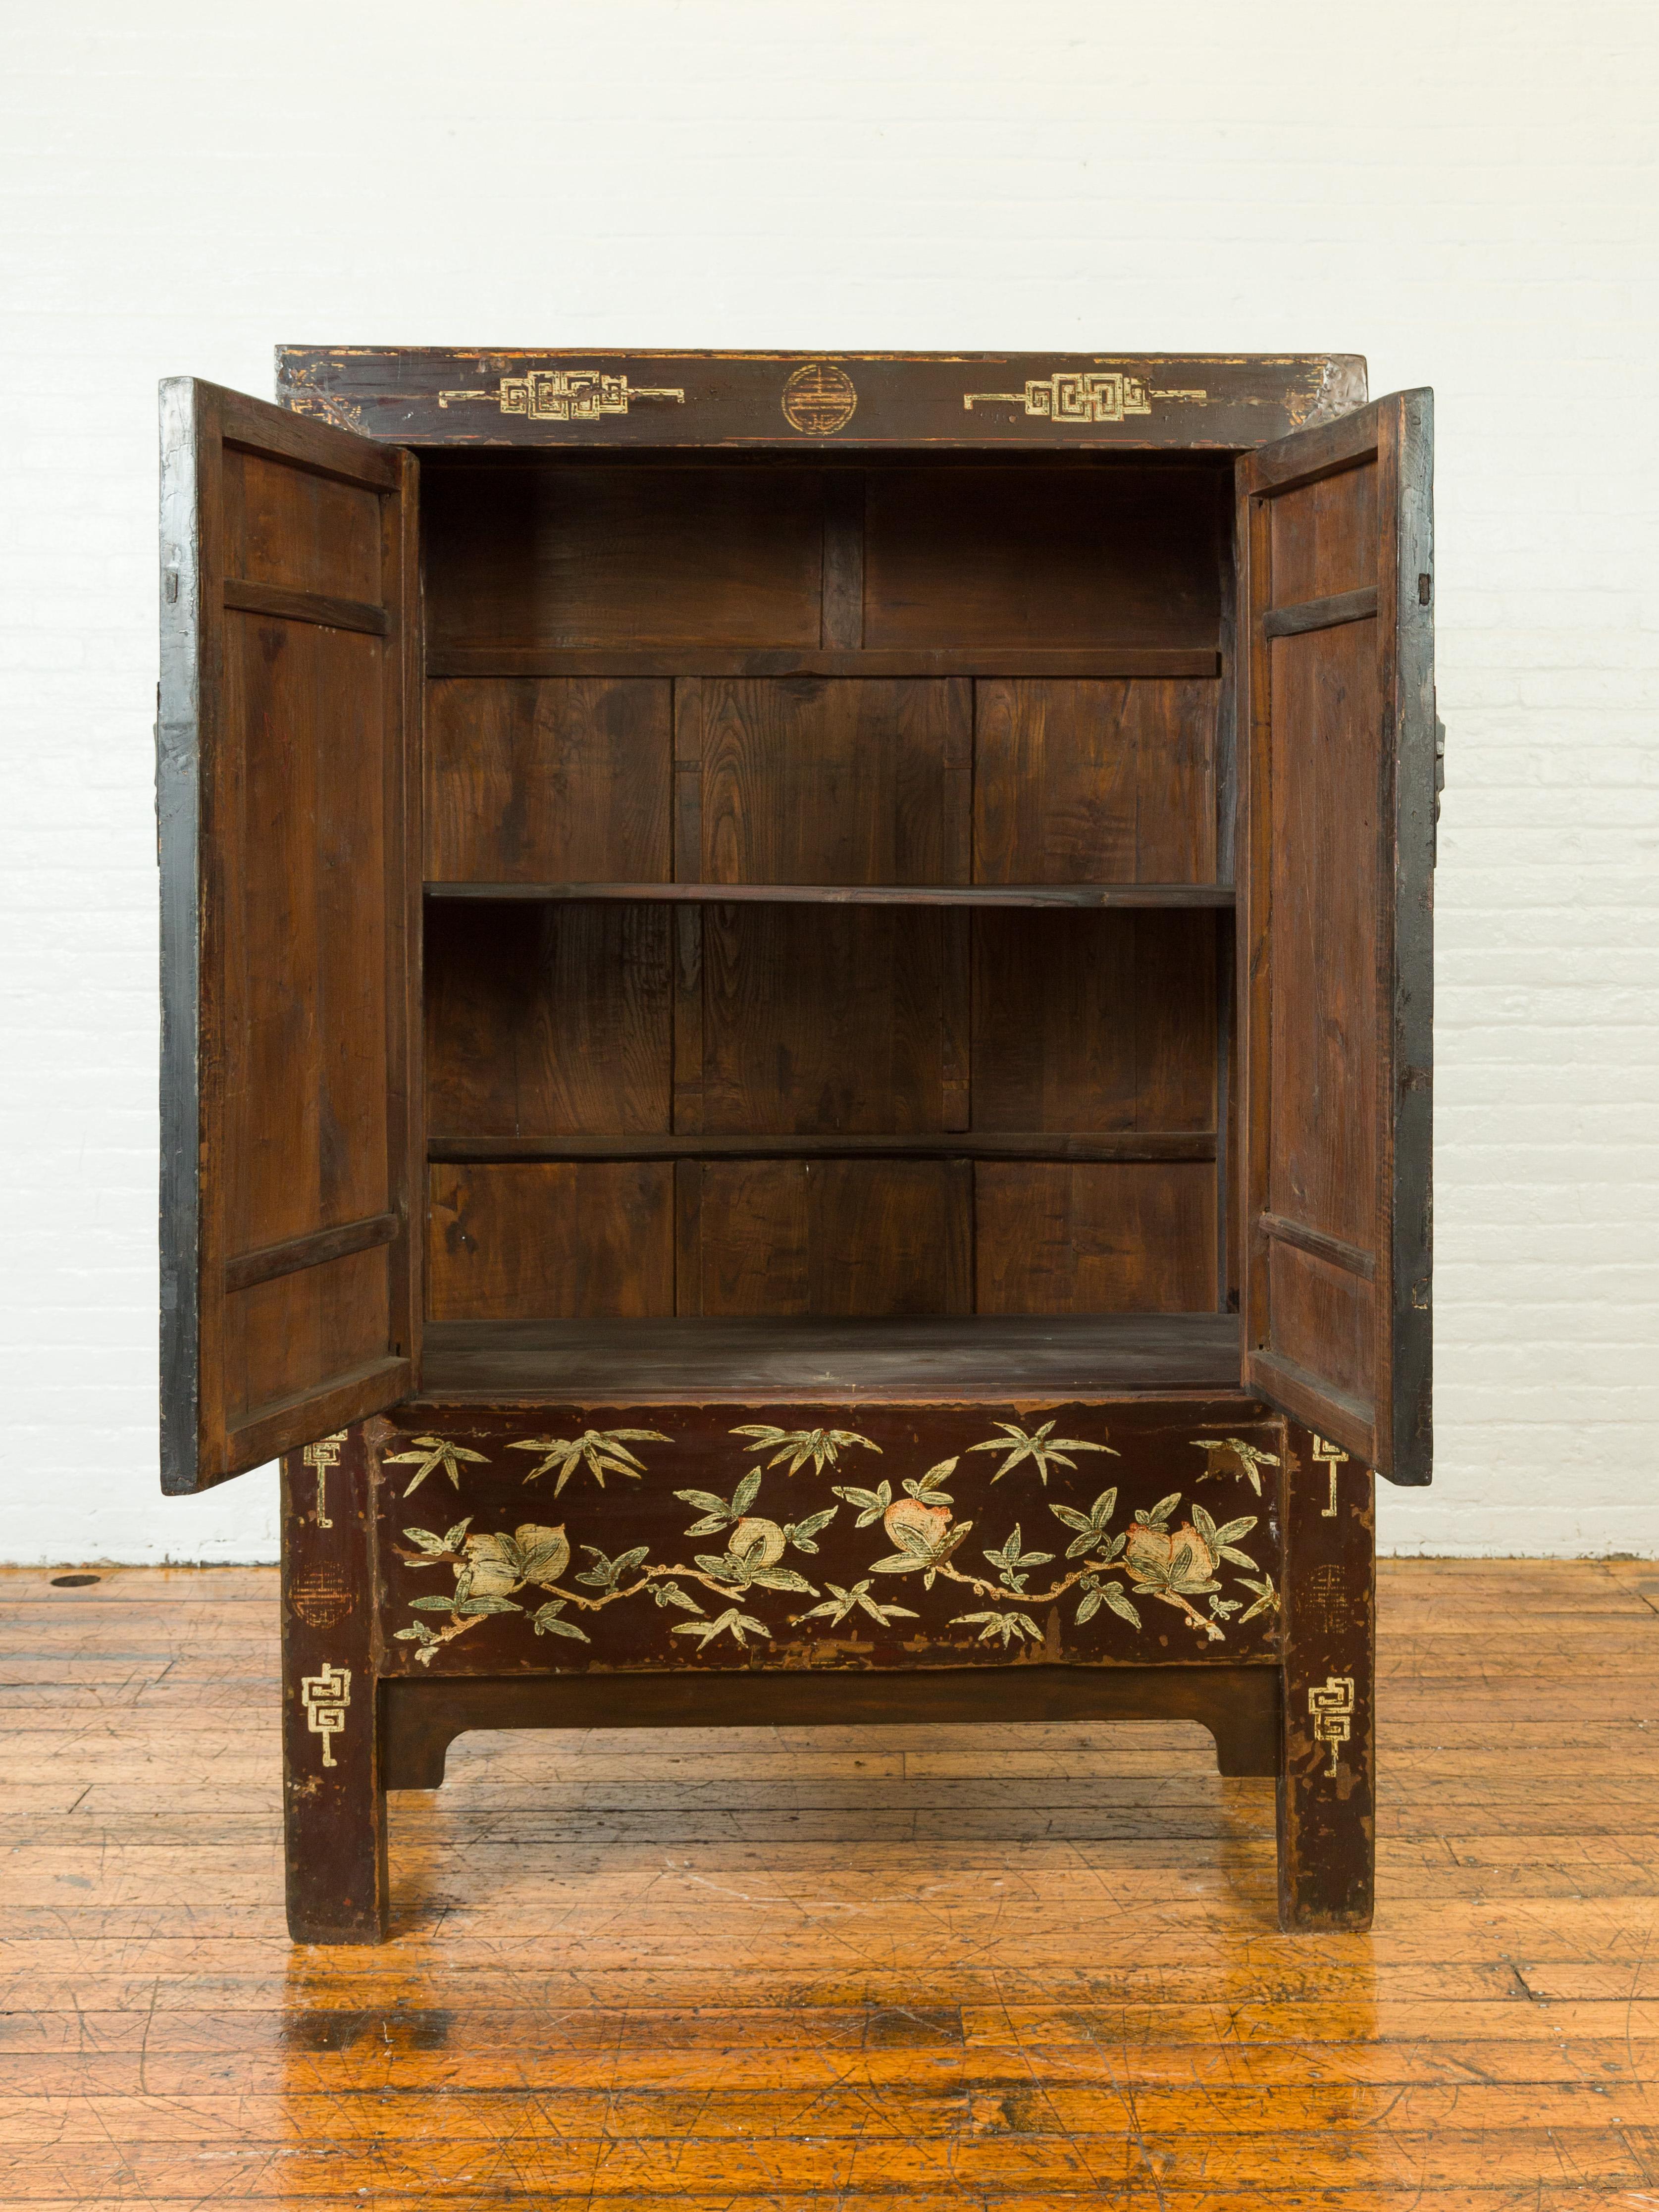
(626, 1240)
(817, 780)
(1095, 782)
(1117, 1238)
(551, 1242)
(558, 780)
(622, 557)
(552, 1020)
(1094, 1022)
(304, 915)
(977, 556)
(752, 1023)
(832, 1236)
(807, 780)
(835, 1020)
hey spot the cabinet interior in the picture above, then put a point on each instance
(827, 918)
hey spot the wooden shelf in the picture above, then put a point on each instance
(693, 659)
(945, 1144)
(1079, 896)
(979, 1358)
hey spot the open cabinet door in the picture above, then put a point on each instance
(1336, 571)
(287, 795)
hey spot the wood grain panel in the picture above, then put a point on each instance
(589, 1241)
(320, 607)
(811, 780)
(1042, 556)
(1325, 537)
(820, 1021)
(296, 1333)
(1336, 889)
(1322, 1012)
(565, 779)
(745, 1231)
(304, 945)
(1324, 1318)
(284, 747)
(977, 1359)
(1095, 782)
(690, 658)
(836, 1236)
(843, 562)
(622, 557)
(1092, 1022)
(556, 1020)
(290, 527)
(1114, 1237)
(1073, 898)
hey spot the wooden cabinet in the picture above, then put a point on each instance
(837, 951)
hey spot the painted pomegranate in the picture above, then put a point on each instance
(918, 1518)
(757, 1543)
(1152, 1551)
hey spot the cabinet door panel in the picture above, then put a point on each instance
(289, 1282)
(1335, 541)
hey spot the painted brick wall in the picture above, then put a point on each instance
(1464, 194)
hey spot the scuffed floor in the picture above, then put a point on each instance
(1022, 1968)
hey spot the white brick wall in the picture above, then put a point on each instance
(1464, 193)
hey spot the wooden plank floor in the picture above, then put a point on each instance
(1022, 1968)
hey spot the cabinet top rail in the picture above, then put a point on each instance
(815, 402)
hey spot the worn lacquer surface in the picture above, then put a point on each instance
(1327, 1780)
(334, 1804)
(427, 396)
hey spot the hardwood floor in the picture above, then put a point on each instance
(1013, 1968)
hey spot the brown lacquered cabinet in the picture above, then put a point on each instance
(797, 1007)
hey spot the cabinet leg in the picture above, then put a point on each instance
(1326, 1803)
(333, 1801)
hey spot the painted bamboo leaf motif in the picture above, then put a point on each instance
(839, 1603)
(431, 1452)
(1042, 1450)
(1008, 1626)
(741, 1625)
(602, 1451)
(822, 1446)
(1232, 1456)
(1162, 1555)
